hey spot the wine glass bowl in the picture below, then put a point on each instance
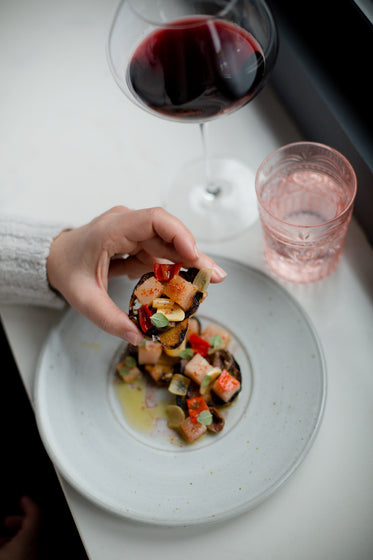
(193, 61)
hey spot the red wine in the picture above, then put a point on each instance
(196, 69)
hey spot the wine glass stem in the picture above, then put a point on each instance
(212, 189)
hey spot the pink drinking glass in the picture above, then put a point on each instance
(305, 194)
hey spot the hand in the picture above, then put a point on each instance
(120, 241)
(24, 544)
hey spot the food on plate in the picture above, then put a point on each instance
(163, 302)
(201, 375)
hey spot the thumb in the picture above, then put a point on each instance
(104, 313)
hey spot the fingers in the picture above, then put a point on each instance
(175, 234)
(81, 260)
(175, 242)
(115, 210)
(203, 261)
(134, 229)
(152, 234)
(101, 310)
(133, 267)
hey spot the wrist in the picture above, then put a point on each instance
(55, 259)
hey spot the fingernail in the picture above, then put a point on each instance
(133, 337)
(220, 274)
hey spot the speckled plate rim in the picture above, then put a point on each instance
(231, 509)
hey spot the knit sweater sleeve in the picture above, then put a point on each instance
(24, 249)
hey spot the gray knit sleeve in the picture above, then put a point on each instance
(24, 249)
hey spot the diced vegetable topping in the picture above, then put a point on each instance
(197, 368)
(165, 272)
(195, 406)
(169, 308)
(199, 344)
(145, 318)
(175, 415)
(171, 299)
(179, 384)
(207, 384)
(226, 386)
(148, 290)
(161, 373)
(200, 385)
(202, 279)
(180, 291)
(194, 327)
(218, 335)
(226, 382)
(194, 364)
(128, 370)
(210, 377)
(190, 431)
(149, 352)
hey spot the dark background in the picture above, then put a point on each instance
(323, 77)
(26, 469)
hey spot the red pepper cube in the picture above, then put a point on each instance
(165, 272)
(195, 406)
(144, 318)
(199, 345)
(226, 386)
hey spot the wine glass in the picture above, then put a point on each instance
(193, 61)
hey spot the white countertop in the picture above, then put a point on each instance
(71, 147)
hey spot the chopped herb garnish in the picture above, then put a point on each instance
(130, 361)
(215, 341)
(159, 320)
(206, 381)
(205, 417)
(187, 354)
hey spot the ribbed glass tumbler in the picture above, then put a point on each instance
(305, 194)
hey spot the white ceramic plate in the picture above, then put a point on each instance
(268, 431)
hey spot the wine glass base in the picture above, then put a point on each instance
(214, 216)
